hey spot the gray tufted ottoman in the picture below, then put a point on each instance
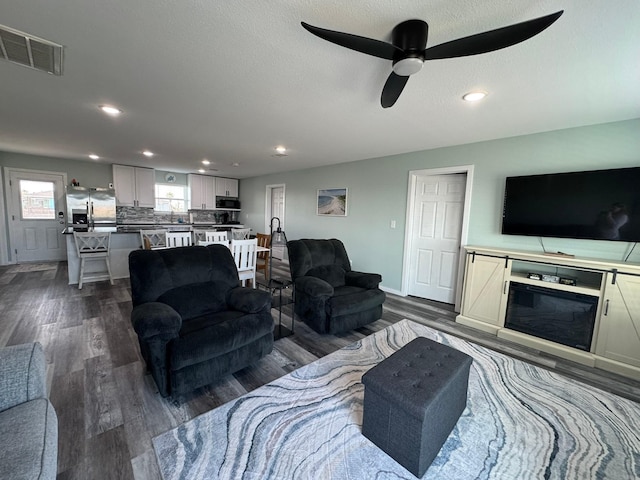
(413, 399)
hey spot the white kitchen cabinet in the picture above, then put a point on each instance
(619, 334)
(485, 292)
(134, 186)
(203, 192)
(226, 187)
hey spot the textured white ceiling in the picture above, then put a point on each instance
(229, 81)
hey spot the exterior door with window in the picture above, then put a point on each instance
(37, 216)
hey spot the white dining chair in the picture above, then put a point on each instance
(153, 239)
(244, 254)
(204, 243)
(211, 236)
(179, 239)
(92, 246)
(240, 233)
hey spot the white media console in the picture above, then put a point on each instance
(491, 295)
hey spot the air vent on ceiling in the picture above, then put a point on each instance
(24, 49)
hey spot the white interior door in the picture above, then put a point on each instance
(437, 226)
(275, 208)
(37, 201)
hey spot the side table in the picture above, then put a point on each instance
(273, 285)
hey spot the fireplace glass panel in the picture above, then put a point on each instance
(562, 317)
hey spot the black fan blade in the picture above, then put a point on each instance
(392, 89)
(354, 42)
(491, 40)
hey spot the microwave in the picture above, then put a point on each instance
(227, 202)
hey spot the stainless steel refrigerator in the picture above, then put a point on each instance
(88, 207)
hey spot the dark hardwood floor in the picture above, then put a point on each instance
(109, 409)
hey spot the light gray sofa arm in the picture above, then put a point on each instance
(22, 374)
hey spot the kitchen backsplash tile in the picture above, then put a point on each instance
(129, 215)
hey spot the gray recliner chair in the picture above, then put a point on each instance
(29, 444)
(329, 296)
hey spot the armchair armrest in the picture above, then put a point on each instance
(363, 280)
(249, 300)
(313, 286)
(22, 374)
(155, 318)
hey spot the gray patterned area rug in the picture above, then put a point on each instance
(521, 422)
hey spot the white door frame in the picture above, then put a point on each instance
(10, 207)
(409, 233)
(267, 205)
(4, 253)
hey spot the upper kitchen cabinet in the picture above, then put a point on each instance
(203, 192)
(226, 187)
(135, 186)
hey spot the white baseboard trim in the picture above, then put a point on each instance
(392, 290)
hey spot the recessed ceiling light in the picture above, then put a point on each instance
(110, 110)
(235, 164)
(206, 162)
(281, 150)
(201, 170)
(148, 153)
(474, 96)
(93, 156)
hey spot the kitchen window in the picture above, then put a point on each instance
(171, 198)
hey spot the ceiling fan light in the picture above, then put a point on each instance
(407, 66)
(474, 96)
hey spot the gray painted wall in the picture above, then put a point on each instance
(378, 193)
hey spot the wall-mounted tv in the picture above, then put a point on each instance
(597, 204)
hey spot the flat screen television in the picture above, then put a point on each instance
(597, 204)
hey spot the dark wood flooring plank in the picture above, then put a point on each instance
(102, 398)
(67, 397)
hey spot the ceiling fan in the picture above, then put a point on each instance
(408, 48)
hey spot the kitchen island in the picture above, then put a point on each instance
(124, 239)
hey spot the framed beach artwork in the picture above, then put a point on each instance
(332, 202)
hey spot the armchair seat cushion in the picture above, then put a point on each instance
(347, 300)
(219, 333)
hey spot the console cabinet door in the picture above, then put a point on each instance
(485, 290)
(619, 331)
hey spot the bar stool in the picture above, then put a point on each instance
(93, 246)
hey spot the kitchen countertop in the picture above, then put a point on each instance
(135, 228)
